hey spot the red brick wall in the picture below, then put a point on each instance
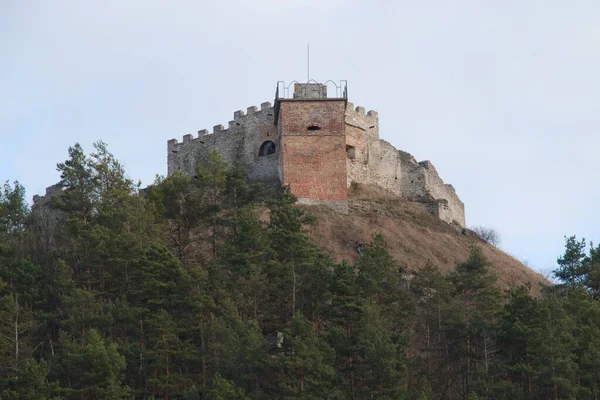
(314, 161)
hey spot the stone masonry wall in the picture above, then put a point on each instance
(451, 208)
(421, 182)
(373, 161)
(242, 139)
(47, 218)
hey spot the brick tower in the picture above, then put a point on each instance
(312, 131)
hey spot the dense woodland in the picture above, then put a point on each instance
(209, 288)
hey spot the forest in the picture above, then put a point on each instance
(209, 288)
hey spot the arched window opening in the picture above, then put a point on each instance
(267, 148)
(313, 128)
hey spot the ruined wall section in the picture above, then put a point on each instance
(241, 140)
(421, 182)
(362, 133)
(46, 217)
(450, 207)
(370, 160)
(373, 161)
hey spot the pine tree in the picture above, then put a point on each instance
(209, 287)
(294, 256)
(570, 264)
(80, 183)
(91, 370)
(515, 329)
(551, 347)
(236, 349)
(438, 313)
(29, 383)
(474, 285)
(379, 364)
(304, 368)
(167, 356)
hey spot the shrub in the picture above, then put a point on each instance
(488, 235)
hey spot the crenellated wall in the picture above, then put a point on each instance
(242, 139)
(368, 159)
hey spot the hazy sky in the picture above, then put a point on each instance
(502, 96)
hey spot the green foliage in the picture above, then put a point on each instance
(571, 269)
(576, 268)
(304, 368)
(222, 389)
(210, 288)
(13, 209)
(29, 383)
(92, 369)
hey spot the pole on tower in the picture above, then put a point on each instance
(307, 62)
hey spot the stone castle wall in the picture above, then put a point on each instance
(241, 140)
(373, 161)
(369, 160)
(46, 218)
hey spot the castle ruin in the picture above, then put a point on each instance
(319, 146)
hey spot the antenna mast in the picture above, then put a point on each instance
(307, 62)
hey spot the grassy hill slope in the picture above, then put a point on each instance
(414, 236)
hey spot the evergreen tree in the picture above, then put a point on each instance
(210, 287)
(293, 259)
(551, 347)
(439, 314)
(91, 370)
(29, 383)
(304, 369)
(571, 263)
(474, 285)
(515, 329)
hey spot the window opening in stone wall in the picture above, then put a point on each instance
(267, 148)
(350, 152)
(313, 128)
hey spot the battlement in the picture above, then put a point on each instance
(367, 121)
(359, 113)
(241, 139)
(239, 118)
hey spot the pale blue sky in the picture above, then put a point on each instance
(502, 96)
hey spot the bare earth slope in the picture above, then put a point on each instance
(414, 236)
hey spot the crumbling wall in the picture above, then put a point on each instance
(451, 208)
(242, 140)
(46, 217)
(421, 182)
(376, 161)
(373, 161)
(362, 130)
